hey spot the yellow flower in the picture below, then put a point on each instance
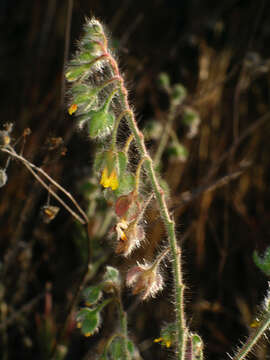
(72, 109)
(109, 180)
(255, 323)
(168, 343)
(163, 341)
(79, 325)
(87, 334)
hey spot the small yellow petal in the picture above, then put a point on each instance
(109, 181)
(158, 340)
(72, 109)
(79, 325)
(104, 177)
(255, 323)
(87, 334)
(123, 236)
(114, 180)
(168, 343)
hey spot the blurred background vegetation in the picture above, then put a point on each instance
(219, 196)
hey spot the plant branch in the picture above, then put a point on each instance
(31, 166)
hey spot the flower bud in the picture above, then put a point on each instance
(109, 176)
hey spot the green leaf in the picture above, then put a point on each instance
(126, 184)
(123, 160)
(101, 123)
(190, 116)
(80, 89)
(87, 98)
(87, 44)
(178, 94)
(263, 262)
(130, 347)
(164, 80)
(196, 347)
(84, 57)
(76, 72)
(90, 321)
(110, 160)
(99, 161)
(93, 28)
(152, 130)
(112, 275)
(178, 151)
(92, 294)
(116, 349)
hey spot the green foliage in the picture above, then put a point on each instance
(126, 184)
(263, 262)
(116, 350)
(196, 347)
(178, 94)
(92, 294)
(122, 161)
(112, 276)
(177, 151)
(164, 80)
(100, 122)
(88, 320)
(167, 335)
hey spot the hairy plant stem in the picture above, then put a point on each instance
(253, 338)
(168, 221)
(116, 125)
(137, 176)
(127, 144)
(123, 324)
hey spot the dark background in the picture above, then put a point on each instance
(220, 52)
